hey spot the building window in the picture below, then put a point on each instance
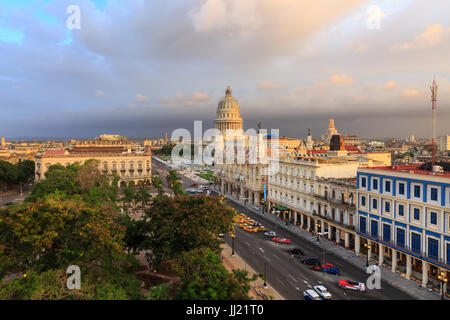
(433, 248)
(363, 201)
(387, 186)
(401, 189)
(433, 218)
(387, 207)
(401, 210)
(374, 204)
(374, 228)
(417, 191)
(362, 224)
(415, 242)
(448, 253)
(386, 233)
(401, 237)
(363, 182)
(416, 214)
(375, 184)
(434, 194)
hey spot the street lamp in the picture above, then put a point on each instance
(367, 245)
(443, 279)
(265, 275)
(232, 243)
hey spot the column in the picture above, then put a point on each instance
(347, 240)
(329, 231)
(256, 198)
(408, 266)
(295, 218)
(394, 260)
(357, 244)
(338, 235)
(425, 266)
(380, 254)
(301, 220)
(242, 196)
(308, 222)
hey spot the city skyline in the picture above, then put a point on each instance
(137, 68)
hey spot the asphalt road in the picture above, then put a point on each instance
(286, 275)
(289, 276)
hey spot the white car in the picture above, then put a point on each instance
(323, 292)
(311, 295)
(270, 234)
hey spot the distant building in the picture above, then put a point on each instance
(3, 142)
(352, 140)
(443, 144)
(331, 131)
(114, 154)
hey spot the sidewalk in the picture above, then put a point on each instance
(393, 278)
(257, 291)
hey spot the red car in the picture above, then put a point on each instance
(352, 285)
(281, 240)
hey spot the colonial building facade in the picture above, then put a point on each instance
(403, 217)
(316, 195)
(113, 156)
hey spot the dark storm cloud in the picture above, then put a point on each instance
(138, 68)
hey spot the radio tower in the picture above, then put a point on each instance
(434, 90)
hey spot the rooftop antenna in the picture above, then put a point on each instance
(434, 90)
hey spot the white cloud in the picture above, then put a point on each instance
(432, 36)
(100, 93)
(390, 84)
(268, 86)
(341, 79)
(142, 99)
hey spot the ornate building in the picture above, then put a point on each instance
(228, 114)
(115, 156)
(331, 131)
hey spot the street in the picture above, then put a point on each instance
(287, 275)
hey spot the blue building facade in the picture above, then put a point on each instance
(404, 215)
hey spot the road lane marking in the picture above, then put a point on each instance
(261, 250)
(295, 280)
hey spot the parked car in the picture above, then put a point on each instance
(328, 268)
(310, 260)
(352, 285)
(270, 233)
(281, 240)
(262, 228)
(323, 292)
(9, 203)
(311, 295)
(296, 251)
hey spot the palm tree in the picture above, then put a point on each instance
(143, 197)
(173, 182)
(128, 197)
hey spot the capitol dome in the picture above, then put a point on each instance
(228, 114)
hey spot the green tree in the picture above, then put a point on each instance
(182, 223)
(143, 197)
(9, 175)
(173, 182)
(203, 277)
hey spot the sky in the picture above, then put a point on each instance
(138, 68)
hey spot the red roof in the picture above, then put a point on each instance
(352, 148)
(55, 152)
